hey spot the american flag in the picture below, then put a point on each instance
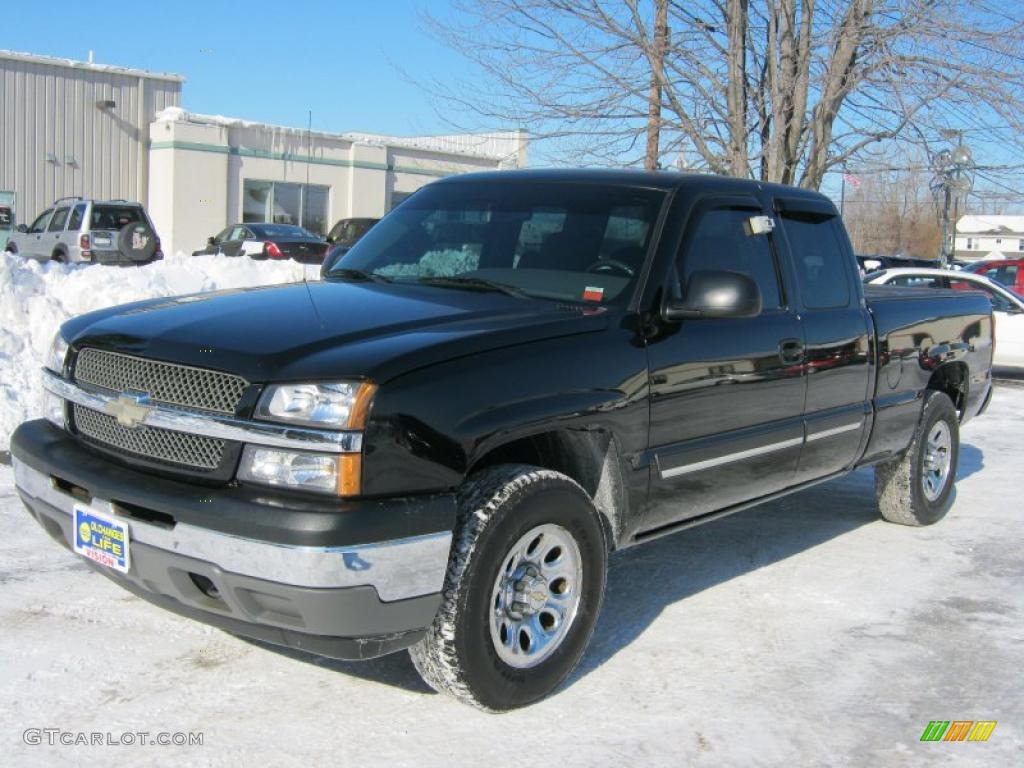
(849, 178)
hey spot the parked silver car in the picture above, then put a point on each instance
(76, 230)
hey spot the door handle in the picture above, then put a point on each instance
(791, 351)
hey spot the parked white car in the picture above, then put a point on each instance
(1007, 306)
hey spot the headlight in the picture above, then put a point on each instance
(58, 352)
(321, 472)
(335, 405)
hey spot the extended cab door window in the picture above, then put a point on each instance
(818, 259)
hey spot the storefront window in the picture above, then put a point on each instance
(283, 203)
(287, 203)
(256, 200)
(314, 210)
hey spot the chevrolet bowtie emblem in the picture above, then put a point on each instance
(129, 410)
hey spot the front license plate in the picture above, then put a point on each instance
(101, 538)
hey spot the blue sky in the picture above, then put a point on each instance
(275, 61)
(259, 60)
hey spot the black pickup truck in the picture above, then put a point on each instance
(511, 376)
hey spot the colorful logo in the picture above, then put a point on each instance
(958, 730)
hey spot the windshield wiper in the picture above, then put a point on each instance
(358, 274)
(474, 284)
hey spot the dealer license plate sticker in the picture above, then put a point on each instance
(101, 538)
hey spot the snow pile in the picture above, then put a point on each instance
(35, 298)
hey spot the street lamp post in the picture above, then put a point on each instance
(953, 179)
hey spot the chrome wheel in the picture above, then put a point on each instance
(938, 457)
(536, 596)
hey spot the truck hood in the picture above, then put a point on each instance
(327, 329)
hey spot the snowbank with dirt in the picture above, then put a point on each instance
(35, 298)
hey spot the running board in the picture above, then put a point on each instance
(693, 522)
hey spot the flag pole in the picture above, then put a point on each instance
(842, 194)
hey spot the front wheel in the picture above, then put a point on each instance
(522, 593)
(916, 489)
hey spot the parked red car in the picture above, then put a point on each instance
(1008, 272)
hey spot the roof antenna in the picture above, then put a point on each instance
(305, 196)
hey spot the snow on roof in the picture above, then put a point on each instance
(55, 61)
(993, 224)
(495, 145)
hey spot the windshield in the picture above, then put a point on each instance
(566, 242)
(281, 231)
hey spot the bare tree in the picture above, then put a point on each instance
(780, 90)
(659, 50)
(893, 212)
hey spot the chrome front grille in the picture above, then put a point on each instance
(161, 445)
(169, 383)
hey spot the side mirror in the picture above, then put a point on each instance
(211, 241)
(21, 228)
(716, 293)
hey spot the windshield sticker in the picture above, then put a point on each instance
(591, 293)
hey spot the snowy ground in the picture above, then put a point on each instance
(35, 298)
(803, 633)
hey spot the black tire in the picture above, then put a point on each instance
(59, 256)
(136, 241)
(497, 507)
(900, 484)
(12, 249)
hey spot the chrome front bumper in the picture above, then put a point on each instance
(398, 569)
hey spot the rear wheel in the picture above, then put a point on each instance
(523, 590)
(59, 256)
(916, 489)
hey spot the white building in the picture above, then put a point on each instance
(207, 172)
(989, 237)
(79, 128)
(76, 128)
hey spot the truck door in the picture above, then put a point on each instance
(727, 394)
(837, 331)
